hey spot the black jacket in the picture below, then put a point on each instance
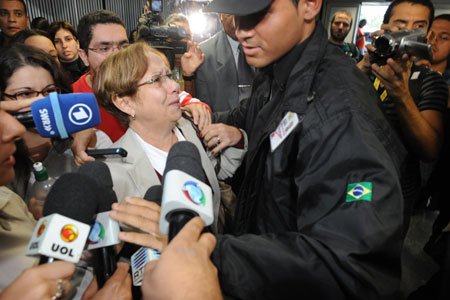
(297, 236)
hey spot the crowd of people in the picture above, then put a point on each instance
(318, 157)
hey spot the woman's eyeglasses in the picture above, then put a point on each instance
(157, 80)
(30, 94)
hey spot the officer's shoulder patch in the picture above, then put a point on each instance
(359, 191)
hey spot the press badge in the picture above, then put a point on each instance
(286, 126)
(415, 75)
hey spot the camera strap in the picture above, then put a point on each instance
(382, 92)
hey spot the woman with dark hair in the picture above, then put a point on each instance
(36, 38)
(26, 75)
(20, 277)
(65, 38)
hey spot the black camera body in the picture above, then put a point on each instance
(395, 44)
(164, 37)
(167, 39)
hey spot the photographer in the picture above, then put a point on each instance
(188, 62)
(184, 55)
(414, 97)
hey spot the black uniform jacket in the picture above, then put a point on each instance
(302, 231)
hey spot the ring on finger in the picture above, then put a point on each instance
(218, 140)
(61, 289)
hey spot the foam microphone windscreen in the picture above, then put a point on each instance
(184, 156)
(154, 194)
(99, 172)
(74, 196)
(59, 115)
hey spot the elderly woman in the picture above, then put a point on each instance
(135, 86)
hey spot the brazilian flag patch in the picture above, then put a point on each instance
(359, 191)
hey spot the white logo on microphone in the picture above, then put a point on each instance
(80, 114)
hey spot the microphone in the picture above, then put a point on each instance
(58, 115)
(153, 194)
(105, 231)
(185, 194)
(25, 118)
(64, 229)
(142, 255)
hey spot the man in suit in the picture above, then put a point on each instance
(217, 79)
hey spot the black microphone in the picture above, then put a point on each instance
(99, 172)
(104, 234)
(185, 194)
(154, 194)
(68, 214)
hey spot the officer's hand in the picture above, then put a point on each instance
(220, 136)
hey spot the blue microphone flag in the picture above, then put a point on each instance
(59, 115)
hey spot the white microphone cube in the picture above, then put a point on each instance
(104, 232)
(59, 237)
(184, 192)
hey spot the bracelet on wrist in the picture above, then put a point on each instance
(189, 78)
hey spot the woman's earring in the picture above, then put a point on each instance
(133, 117)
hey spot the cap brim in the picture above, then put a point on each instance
(237, 7)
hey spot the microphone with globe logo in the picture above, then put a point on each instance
(97, 233)
(185, 193)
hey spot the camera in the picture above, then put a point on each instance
(166, 39)
(395, 44)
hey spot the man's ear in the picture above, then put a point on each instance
(83, 56)
(310, 8)
(124, 104)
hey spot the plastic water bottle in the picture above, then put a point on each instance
(42, 184)
(59, 161)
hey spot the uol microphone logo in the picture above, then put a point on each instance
(80, 114)
(69, 233)
(194, 193)
(97, 233)
(41, 229)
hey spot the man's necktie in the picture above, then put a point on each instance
(245, 76)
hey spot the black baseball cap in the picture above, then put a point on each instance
(237, 7)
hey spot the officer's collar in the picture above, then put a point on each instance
(282, 68)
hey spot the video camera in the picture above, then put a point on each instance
(395, 44)
(167, 39)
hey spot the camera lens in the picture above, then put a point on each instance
(383, 45)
